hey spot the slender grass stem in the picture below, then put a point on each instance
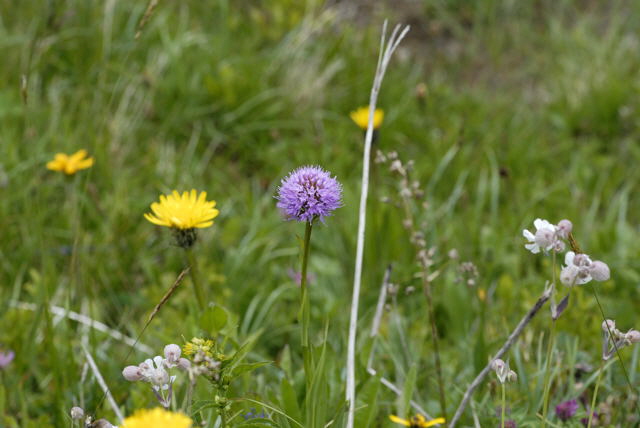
(504, 404)
(595, 393)
(195, 278)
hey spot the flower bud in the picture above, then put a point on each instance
(609, 325)
(632, 336)
(564, 228)
(76, 412)
(183, 363)
(599, 271)
(132, 373)
(172, 353)
(512, 376)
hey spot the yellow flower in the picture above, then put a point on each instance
(70, 164)
(197, 344)
(418, 421)
(157, 418)
(361, 117)
(185, 211)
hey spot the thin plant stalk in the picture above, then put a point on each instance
(552, 337)
(547, 373)
(195, 278)
(435, 342)
(386, 52)
(504, 404)
(595, 393)
(304, 306)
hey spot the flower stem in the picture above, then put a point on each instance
(504, 404)
(304, 305)
(595, 393)
(434, 340)
(547, 373)
(195, 278)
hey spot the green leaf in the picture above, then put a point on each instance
(407, 390)
(202, 405)
(241, 353)
(289, 400)
(248, 367)
(213, 320)
(257, 422)
(368, 396)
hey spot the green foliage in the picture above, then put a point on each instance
(530, 110)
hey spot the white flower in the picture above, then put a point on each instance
(545, 237)
(503, 372)
(153, 371)
(172, 354)
(577, 270)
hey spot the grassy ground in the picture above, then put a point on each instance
(527, 109)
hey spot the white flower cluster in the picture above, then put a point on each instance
(579, 268)
(156, 372)
(504, 373)
(615, 339)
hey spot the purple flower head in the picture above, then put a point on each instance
(566, 410)
(308, 193)
(6, 358)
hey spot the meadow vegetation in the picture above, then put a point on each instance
(501, 111)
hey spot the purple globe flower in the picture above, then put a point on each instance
(308, 193)
(566, 410)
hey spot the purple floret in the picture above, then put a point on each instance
(566, 410)
(308, 193)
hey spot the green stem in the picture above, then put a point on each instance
(195, 278)
(595, 393)
(223, 418)
(547, 374)
(504, 404)
(304, 306)
(434, 340)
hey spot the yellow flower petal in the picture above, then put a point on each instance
(183, 211)
(433, 422)
(70, 164)
(399, 420)
(361, 117)
(157, 418)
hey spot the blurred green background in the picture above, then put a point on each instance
(510, 110)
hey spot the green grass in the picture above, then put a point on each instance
(531, 111)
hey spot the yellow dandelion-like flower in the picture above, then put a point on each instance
(418, 421)
(196, 344)
(361, 117)
(70, 164)
(186, 211)
(157, 418)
